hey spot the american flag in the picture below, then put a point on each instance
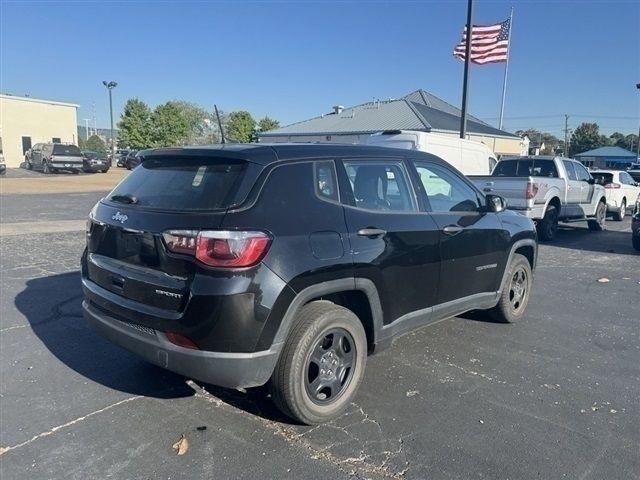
(489, 43)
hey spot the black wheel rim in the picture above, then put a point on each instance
(518, 290)
(623, 210)
(330, 366)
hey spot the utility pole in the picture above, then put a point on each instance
(566, 135)
(638, 147)
(86, 128)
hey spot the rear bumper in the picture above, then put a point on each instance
(535, 213)
(231, 370)
(66, 165)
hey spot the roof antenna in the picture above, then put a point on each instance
(222, 140)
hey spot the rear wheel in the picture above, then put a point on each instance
(635, 240)
(548, 226)
(27, 164)
(321, 365)
(619, 216)
(515, 293)
(597, 224)
(46, 169)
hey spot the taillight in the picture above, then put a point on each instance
(220, 248)
(612, 185)
(532, 190)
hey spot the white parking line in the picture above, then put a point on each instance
(26, 228)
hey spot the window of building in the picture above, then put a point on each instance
(55, 140)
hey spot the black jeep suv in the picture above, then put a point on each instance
(240, 264)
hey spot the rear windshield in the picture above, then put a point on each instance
(185, 184)
(602, 178)
(68, 150)
(526, 167)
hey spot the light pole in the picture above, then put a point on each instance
(638, 147)
(110, 86)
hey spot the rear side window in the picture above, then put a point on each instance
(581, 172)
(602, 178)
(68, 150)
(185, 184)
(529, 167)
(325, 180)
(380, 185)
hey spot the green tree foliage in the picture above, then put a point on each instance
(170, 126)
(199, 122)
(241, 127)
(587, 137)
(629, 142)
(135, 126)
(82, 143)
(95, 144)
(267, 124)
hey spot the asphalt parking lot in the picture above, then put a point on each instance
(554, 396)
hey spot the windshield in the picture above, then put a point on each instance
(67, 150)
(184, 184)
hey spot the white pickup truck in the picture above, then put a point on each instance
(547, 190)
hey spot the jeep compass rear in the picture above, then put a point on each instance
(236, 265)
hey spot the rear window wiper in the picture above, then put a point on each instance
(128, 199)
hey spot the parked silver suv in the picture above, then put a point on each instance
(52, 157)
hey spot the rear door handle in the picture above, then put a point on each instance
(371, 232)
(452, 229)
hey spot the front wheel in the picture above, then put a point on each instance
(598, 223)
(619, 216)
(321, 365)
(46, 169)
(515, 293)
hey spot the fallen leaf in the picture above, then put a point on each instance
(412, 393)
(613, 410)
(481, 421)
(603, 280)
(182, 445)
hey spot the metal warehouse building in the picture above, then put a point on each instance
(607, 157)
(25, 121)
(418, 110)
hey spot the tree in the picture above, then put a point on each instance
(199, 122)
(170, 127)
(267, 124)
(135, 128)
(95, 144)
(551, 142)
(628, 142)
(241, 127)
(586, 137)
(82, 143)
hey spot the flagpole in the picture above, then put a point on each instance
(463, 118)
(506, 69)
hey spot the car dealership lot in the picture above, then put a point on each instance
(553, 396)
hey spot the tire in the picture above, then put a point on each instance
(300, 387)
(28, 165)
(75, 172)
(548, 226)
(598, 223)
(619, 216)
(46, 169)
(514, 297)
(635, 241)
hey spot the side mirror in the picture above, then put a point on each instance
(495, 203)
(591, 181)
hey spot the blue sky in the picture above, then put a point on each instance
(293, 60)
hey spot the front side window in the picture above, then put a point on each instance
(380, 185)
(582, 172)
(445, 190)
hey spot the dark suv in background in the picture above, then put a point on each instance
(53, 157)
(241, 264)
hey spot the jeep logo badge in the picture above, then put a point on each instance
(119, 217)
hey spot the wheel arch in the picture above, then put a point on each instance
(358, 295)
(527, 247)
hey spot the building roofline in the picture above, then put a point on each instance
(37, 100)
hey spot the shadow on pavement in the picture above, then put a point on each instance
(53, 307)
(580, 238)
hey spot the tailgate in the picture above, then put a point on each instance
(513, 189)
